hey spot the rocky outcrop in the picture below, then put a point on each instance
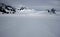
(6, 9)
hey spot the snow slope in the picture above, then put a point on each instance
(30, 23)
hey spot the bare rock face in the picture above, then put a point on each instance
(6, 9)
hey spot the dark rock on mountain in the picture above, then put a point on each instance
(6, 9)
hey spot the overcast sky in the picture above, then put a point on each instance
(36, 4)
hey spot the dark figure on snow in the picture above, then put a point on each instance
(48, 11)
(53, 11)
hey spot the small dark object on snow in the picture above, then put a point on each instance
(48, 10)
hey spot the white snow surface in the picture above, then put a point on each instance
(30, 23)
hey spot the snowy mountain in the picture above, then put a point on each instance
(22, 11)
(28, 22)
